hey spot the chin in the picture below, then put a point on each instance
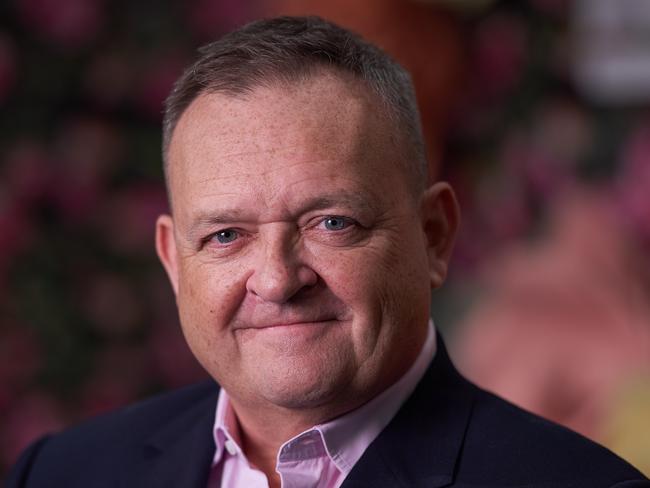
(307, 388)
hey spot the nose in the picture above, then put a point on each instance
(279, 274)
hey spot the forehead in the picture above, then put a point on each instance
(312, 127)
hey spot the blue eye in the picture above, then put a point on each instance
(336, 223)
(226, 236)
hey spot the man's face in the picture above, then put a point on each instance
(298, 251)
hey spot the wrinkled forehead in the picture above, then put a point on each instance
(278, 96)
(325, 116)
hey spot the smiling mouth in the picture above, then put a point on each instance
(289, 323)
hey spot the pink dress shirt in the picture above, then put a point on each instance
(320, 457)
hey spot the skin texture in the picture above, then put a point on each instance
(301, 257)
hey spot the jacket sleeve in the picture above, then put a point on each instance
(18, 476)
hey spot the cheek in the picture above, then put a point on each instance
(375, 271)
(346, 273)
(208, 296)
(207, 299)
(395, 278)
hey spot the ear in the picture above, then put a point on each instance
(166, 248)
(440, 218)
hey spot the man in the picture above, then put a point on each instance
(302, 247)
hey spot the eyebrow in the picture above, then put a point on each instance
(206, 219)
(343, 198)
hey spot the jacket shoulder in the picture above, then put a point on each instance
(104, 443)
(141, 419)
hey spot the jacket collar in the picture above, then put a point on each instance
(421, 445)
(181, 453)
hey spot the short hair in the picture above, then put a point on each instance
(286, 50)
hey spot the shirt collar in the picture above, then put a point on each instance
(347, 437)
(226, 429)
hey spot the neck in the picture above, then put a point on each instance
(262, 435)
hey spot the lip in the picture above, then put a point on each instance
(287, 323)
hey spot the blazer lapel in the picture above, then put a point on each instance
(180, 455)
(420, 446)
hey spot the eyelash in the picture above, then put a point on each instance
(212, 238)
(346, 221)
(224, 231)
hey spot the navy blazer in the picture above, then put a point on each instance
(448, 433)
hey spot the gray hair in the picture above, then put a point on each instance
(286, 50)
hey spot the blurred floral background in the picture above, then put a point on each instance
(537, 111)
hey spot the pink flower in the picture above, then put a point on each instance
(536, 168)
(87, 151)
(110, 77)
(120, 375)
(209, 18)
(7, 66)
(500, 52)
(157, 81)
(545, 156)
(68, 23)
(172, 357)
(112, 304)
(16, 233)
(130, 218)
(28, 171)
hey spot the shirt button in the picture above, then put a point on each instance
(231, 447)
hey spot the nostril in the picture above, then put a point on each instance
(280, 283)
(308, 276)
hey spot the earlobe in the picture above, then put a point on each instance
(440, 218)
(166, 248)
